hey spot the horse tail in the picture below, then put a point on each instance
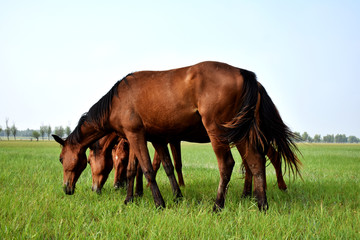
(244, 127)
(277, 133)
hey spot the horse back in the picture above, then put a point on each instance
(173, 102)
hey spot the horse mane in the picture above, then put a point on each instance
(98, 114)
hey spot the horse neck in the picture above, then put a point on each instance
(89, 135)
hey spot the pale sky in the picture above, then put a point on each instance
(57, 58)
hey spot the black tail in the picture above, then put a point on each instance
(277, 133)
(243, 125)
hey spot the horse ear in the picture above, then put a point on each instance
(59, 139)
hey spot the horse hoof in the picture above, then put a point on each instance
(119, 185)
(128, 200)
(178, 198)
(217, 208)
(246, 195)
(263, 207)
(139, 194)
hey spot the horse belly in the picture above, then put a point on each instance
(171, 124)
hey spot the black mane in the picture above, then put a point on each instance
(98, 114)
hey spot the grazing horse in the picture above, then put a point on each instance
(166, 106)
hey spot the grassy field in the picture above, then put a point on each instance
(326, 205)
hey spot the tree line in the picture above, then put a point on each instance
(330, 138)
(44, 132)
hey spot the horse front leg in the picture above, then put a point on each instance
(176, 153)
(139, 190)
(138, 145)
(155, 164)
(162, 150)
(131, 173)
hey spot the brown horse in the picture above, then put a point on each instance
(166, 106)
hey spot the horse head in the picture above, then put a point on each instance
(73, 159)
(120, 157)
(101, 165)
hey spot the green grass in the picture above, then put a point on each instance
(326, 205)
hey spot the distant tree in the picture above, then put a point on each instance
(42, 131)
(0, 129)
(305, 137)
(329, 138)
(317, 138)
(353, 139)
(60, 131)
(48, 131)
(67, 130)
(340, 138)
(7, 129)
(14, 130)
(36, 135)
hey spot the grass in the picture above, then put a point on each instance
(325, 205)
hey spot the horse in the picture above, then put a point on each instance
(164, 106)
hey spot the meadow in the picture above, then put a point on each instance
(324, 205)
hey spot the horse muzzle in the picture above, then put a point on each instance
(69, 189)
(119, 184)
(96, 188)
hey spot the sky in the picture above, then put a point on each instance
(58, 58)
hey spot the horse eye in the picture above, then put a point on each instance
(61, 160)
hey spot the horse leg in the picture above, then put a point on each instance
(155, 164)
(248, 175)
(131, 172)
(164, 155)
(226, 164)
(256, 163)
(139, 182)
(176, 153)
(275, 160)
(138, 145)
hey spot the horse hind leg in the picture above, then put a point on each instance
(256, 164)
(226, 164)
(247, 191)
(274, 157)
